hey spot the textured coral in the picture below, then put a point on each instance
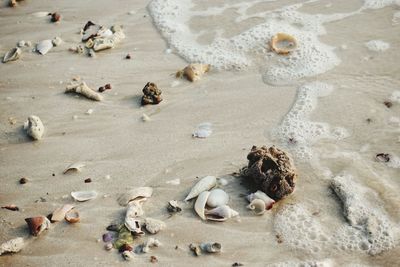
(271, 170)
(151, 94)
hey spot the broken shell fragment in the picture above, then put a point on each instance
(138, 193)
(269, 202)
(194, 72)
(196, 249)
(82, 88)
(283, 43)
(37, 224)
(258, 206)
(72, 216)
(34, 127)
(44, 46)
(12, 246)
(75, 167)
(151, 242)
(173, 206)
(217, 197)
(135, 209)
(59, 214)
(203, 130)
(220, 214)
(151, 94)
(200, 204)
(154, 226)
(204, 184)
(211, 247)
(133, 225)
(84, 195)
(12, 55)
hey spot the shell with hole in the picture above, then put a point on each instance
(34, 127)
(220, 214)
(217, 197)
(139, 193)
(204, 184)
(153, 226)
(84, 195)
(37, 224)
(133, 225)
(269, 202)
(12, 55)
(258, 206)
(283, 43)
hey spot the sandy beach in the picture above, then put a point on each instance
(325, 106)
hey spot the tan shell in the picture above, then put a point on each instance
(12, 55)
(220, 214)
(194, 72)
(59, 214)
(138, 193)
(283, 43)
(72, 216)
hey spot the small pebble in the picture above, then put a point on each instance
(107, 237)
(388, 104)
(153, 259)
(128, 56)
(88, 180)
(237, 264)
(23, 180)
(55, 17)
(89, 111)
(125, 247)
(108, 246)
(113, 227)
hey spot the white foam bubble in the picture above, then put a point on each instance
(376, 4)
(377, 45)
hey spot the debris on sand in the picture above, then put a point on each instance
(11, 207)
(55, 17)
(193, 72)
(82, 196)
(151, 94)
(34, 127)
(37, 224)
(12, 55)
(12, 246)
(14, 3)
(76, 167)
(80, 87)
(23, 180)
(271, 170)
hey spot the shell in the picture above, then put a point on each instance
(204, 184)
(37, 224)
(217, 197)
(128, 255)
(102, 44)
(258, 206)
(269, 202)
(194, 72)
(139, 193)
(173, 206)
(44, 46)
(75, 167)
(199, 205)
(34, 127)
(12, 55)
(220, 214)
(151, 242)
(84, 195)
(59, 214)
(283, 43)
(134, 209)
(203, 130)
(12, 246)
(154, 226)
(211, 247)
(72, 216)
(108, 246)
(57, 41)
(133, 225)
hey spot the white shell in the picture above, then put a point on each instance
(154, 226)
(134, 209)
(59, 214)
(137, 193)
(203, 130)
(151, 242)
(211, 247)
(34, 127)
(133, 225)
(128, 255)
(269, 202)
(220, 214)
(57, 41)
(75, 167)
(44, 46)
(200, 204)
(12, 246)
(258, 206)
(204, 184)
(217, 197)
(84, 195)
(12, 55)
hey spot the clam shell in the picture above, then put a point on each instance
(12, 55)
(37, 224)
(203, 130)
(258, 206)
(34, 127)
(211, 247)
(84, 195)
(44, 46)
(72, 216)
(217, 197)
(199, 205)
(75, 167)
(283, 43)
(59, 214)
(139, 193)
(154, 226)
(12, 246)
(204, 184)
(220, 214)
(269, 202)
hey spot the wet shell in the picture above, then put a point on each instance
(44, 46)
(72, 216)
(200, 204)
(258, 206)
(194, 72)
(211, 247)
(12, 246)
(220, 214)
(12, 55)
(34, 127)
(37, 224)
(283, 43)
(75, 167)
(59, 214)
(84, 195)
(154, 226)
(139, 193)
(269, 202)
(217, 197)
(204, 184)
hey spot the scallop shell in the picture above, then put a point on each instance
(154, 226)
(200, 204)
(204, 184)
(211, 247)
(217, 197)
(75, 167)
(269, 202)
(258, 206)
(203, 130)
(283, 43)
(220, 214)
(194, 72)
(37, 224)
(84, 195)
(59, 214)
(139, 193)
(12, 55)
(44, 46)
(12, 246)
(72, 216)
(34, 127)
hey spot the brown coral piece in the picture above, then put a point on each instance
(151, 94)
(271, 170)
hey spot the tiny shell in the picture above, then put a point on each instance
(59, 213)
(217, 197)
(203, 130)
(283, 43)
(34, 127)
(269, 202)
(204, 184)
(258, 206)
(220, 214)
(128, 255)
(211, 247)
(75, 167)
(84, 195)
(108, 246)
(200, 204)
(153, 226)
(139, 193)
(12, 55)
(151, 242)
(12, 246)
(44, 46)
(37, 224)
(72, 216)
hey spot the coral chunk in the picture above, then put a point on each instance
(151, 94)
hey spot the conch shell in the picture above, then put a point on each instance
(283, 43)
(139, 193)
(34, 127)
(12, 55)
(83, 89)
(269, 202)
(220, 214)
(258, 206)
(193, 72)
(37, 224)
(204, 184)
